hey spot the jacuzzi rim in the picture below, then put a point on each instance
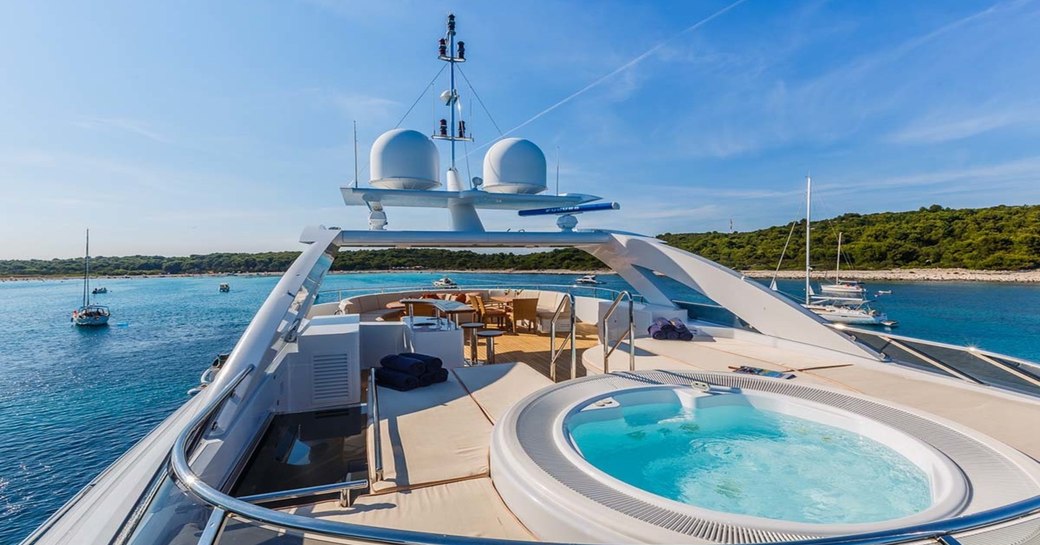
(952, 502)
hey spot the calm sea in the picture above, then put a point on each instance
(72, 400)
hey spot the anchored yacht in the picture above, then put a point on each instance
(579, 426)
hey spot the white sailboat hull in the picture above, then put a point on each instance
(847, 316)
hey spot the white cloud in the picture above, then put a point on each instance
(133, 126)
(951, 124)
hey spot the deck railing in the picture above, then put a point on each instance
(608, 346)
(573, 289)
(566, 303)
(966, 363)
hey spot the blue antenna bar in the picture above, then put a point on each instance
(577, 209)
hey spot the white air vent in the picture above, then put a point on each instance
(331, 374)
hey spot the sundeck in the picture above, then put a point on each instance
(292, 440)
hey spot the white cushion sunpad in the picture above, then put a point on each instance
(498, 387)
(430, 435)
(466, 508)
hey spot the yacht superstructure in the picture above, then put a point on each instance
(292, 439)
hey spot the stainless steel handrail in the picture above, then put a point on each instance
(554, 354)
(377, 436)
(631, 332)
(295, 493)
(1024, 370)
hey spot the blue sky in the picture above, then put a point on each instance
(197, 126)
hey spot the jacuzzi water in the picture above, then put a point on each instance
(742, 460)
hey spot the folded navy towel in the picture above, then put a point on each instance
(432, 362)
(433, 377)
(403, 364)
(396, 380)
(673, 335)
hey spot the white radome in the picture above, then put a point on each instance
(514, 165)
(404, 159)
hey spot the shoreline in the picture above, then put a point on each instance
(911, 275)
(895, 275)
(279, 273)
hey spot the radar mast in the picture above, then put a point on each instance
(452, 129)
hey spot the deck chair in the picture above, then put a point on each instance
(488, 314)
(525, 311)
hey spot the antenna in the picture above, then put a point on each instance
(355, 155)
(557, 171)
(451, 52)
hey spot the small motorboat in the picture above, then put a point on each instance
(96, 291)
(588, 279)
(225, 287)
(445, 283)
(884, 292)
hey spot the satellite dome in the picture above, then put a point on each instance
(404, 159)
(514, 165)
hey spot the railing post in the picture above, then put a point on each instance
(552, 350)
(574, 338)
(606, 343)
(631, 335)
(373, 411)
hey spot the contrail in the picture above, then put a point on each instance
(617, 71)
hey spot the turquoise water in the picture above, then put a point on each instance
(738, 459)
(72, 400)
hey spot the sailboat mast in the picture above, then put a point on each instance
(808, 216)
(837, 262)
(86, 272)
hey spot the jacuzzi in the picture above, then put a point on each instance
(658, 457)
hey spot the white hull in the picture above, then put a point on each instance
(90, 320)
(838, 289)
(847, 316)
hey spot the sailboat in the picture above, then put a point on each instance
(833, 308)
(844, 288)
(89, 314)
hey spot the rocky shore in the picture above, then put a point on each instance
(914, 275)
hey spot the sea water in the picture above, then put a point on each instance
(747, 461)
(73, 399)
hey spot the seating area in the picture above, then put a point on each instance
(528, 310)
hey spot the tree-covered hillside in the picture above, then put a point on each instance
(1002, 237)
(360, 260)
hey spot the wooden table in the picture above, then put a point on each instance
(445, 306)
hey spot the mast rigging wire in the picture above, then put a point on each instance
(421, 95)
(479, 100)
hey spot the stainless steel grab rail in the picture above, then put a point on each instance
(342, 487)
(554, 354)
(377, 437)
(631, 332)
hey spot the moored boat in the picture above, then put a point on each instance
(90, 314)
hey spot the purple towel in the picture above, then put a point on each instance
(660, 329)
